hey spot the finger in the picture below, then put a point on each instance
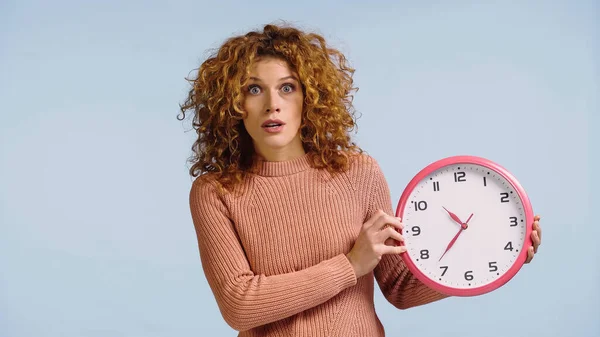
(538, 228)
(372, 219)
(385, 220)
(379, 220)
(375, 219)
(390, 232)
(393, 249)
(530, 255)
(536, 240)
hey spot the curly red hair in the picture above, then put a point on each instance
(224, 146)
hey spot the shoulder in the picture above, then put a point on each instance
(364, 165)
(210, 189)
(205, 183)
(206, 199)
(370, 183)
(205, 189)
(362, 172)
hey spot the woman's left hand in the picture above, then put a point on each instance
(536, 237)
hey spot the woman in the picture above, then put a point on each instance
(294, 222)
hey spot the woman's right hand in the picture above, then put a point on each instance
(376, 238)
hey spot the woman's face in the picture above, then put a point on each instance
(273, 105)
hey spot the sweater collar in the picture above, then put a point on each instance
(266, 168)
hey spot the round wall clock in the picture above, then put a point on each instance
(467, 225)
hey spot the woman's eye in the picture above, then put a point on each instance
(287, 88)
(254, 90)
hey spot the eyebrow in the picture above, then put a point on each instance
(281, 79)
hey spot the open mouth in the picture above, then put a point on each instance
(272, 125)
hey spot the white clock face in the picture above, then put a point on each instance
(486, 247)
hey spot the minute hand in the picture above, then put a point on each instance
(463, 227)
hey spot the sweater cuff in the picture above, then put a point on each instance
(342, 271)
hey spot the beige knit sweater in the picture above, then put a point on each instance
(274, 253)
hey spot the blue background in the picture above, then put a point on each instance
(96, 238)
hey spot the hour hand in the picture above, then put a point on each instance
(454, 217)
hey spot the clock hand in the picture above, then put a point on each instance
(463, 226)
(455, 218)
(452, 242)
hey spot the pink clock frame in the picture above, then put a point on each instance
(502, 280)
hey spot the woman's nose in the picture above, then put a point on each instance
(273, 104)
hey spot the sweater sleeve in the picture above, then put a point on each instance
(399, 286)
(245, 299)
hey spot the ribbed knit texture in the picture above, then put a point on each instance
(274, 251)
